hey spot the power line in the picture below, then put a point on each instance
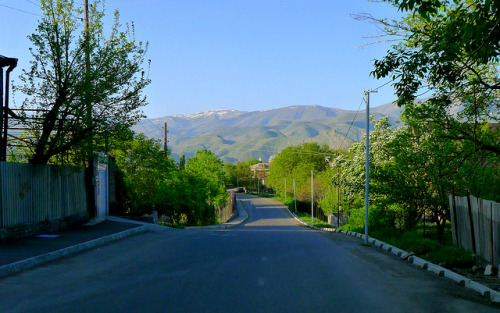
(33, 3)
(154, 125)
(383, 85)
(355, 115)
(16, 9)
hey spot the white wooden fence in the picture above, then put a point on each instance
(476, 227)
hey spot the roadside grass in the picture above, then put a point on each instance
(317, 223)
(428, 247)
(303, 216)
(173, 225)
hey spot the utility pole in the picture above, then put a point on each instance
(312, 198)
(165, 141)
(285, 190)
(367, 170)
(338, 197)
(2, 146)
(89, 173)
(294, 198)
(4, 105)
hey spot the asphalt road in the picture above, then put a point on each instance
(268, 264)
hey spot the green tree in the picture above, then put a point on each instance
(296, 162)
(144, 167)
(207, 178)
(59, 86)
(413, 169)
(241, 174)
(450, 48)
(352, 168)
(182, 162)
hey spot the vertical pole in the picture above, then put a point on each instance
(471, 221)
(285, 190)
(367, 170)
(2, 147)
(87, 68)
(6, 116)
(294, 198)
(455, 219)
(258, 185)
(90, 171)
(1, 144)
(492, 238)
(366, 162)
(165, 139)
(338, 197)
(312, 198)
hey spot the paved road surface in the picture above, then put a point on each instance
(268, 264)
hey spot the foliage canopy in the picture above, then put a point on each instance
(76, 97)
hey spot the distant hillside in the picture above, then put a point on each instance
(237, 135)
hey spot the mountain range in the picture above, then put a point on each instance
(237, 135)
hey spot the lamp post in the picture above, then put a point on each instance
(367, 169)
(312, 198)
(294, 198)
(285, 190)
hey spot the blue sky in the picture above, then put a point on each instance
(245, 55)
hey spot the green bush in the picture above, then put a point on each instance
(423, 246)
(173, 225)
(426, 248)
(380, 218)
(357, 219)
(450, 257)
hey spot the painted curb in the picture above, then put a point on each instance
(23, 265)
(398, 252)
(436, 269)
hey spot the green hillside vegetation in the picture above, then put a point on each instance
(273, 133)
(237, 136)
(304, 129)
(332, 138)
(235, 133)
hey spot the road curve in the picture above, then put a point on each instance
(267, 264)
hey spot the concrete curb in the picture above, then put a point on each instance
(23, 265)
(490, 294)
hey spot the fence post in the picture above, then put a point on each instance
(455, 219)
(471, 221)
(1, 185)
(491, 235)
